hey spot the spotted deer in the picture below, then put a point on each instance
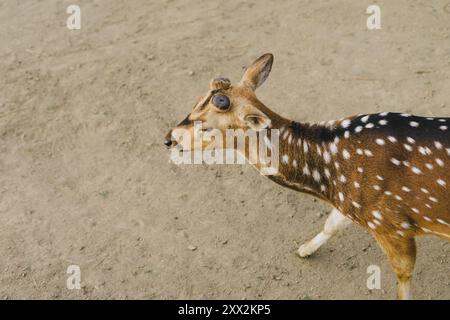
(387, 172)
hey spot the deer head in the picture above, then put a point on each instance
(226, 106)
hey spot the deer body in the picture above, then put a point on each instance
(387, 172)
(377, 169)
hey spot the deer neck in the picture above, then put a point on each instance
(305, 158)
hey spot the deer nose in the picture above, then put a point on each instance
(167, 142)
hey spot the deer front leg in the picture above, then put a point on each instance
(335, 222)
(402, 255)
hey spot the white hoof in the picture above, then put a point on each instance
(305, 250)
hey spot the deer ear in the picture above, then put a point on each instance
(257, 121)
(258, 71)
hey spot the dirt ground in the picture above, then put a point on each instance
(85, 179)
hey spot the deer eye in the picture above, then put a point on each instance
(221, 102)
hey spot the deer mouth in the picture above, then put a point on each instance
(178, 148)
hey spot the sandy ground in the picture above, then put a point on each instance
(85, 180)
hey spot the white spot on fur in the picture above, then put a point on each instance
(345, 154)
(306, 170)
(438, 145)
(405, 225)
(416, 170)
(439, 162)
(319, 151)
(424, 150)
(326, 157)
(316, 175)
(392, 139)
(401, 233)
(356, 204)
(333, 148)
(377, 214)
(345, 123)
(410, 140)
(305, 147)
